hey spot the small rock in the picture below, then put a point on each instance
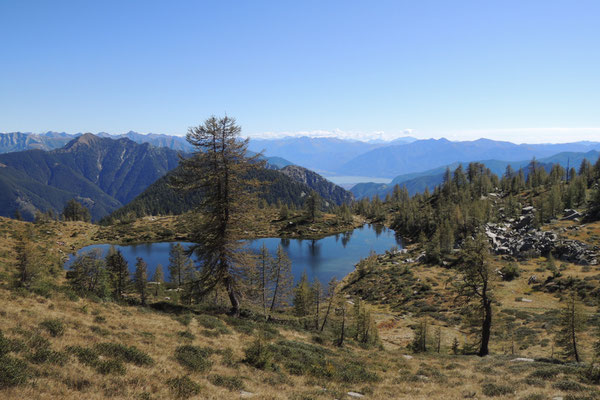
(407, 357)
(522, 359)
(354, 394)
(246, 395)
(527, 300)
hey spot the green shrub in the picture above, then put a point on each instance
(186, 335)
(227, 358)
(55, 327)
(259, 355)
(13, 372)
(193, 358)
(183, 387)
(85, 355)
(229, 382)
(510, 272)
(494, 389)
(10, 345)
(184, 319)
(37, 342)
(106, 367)
(210, 322)
(41, 356)
(567, 385)
(545, 373)
(241, 325)
(129, 354)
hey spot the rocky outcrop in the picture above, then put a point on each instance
(519, 239)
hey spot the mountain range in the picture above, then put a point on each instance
(332, 156)
(105, 174)
(19, 141)
(102, 173)
(418, 182)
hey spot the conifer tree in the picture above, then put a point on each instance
(140, 278)
(177, 263)
(302, 297)
(159, 279)
(88, 273)
(218, 168)
(331, 293)
(419, 343)
(28, 264)
(75, 211)
(264, 273)
(476, 284)
(571, 324)
(118, 270)
(284, 212)
(312, 205)
(282, 278)
(317, 296)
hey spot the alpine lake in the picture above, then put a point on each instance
(331, 256)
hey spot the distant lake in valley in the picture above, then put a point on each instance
(325, 258)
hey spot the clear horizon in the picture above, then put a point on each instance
(329, 135)
(524, 72)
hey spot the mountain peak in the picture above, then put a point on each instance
(87, 139)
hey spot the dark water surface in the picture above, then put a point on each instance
(325, 258)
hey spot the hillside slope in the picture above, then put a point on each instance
(103, 173)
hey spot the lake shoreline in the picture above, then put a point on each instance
(330, 255)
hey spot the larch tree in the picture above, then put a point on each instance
(331, 295)
(177, 263)
(158, 278)
(263, 277)
(219, 169)
(571, 323)
(475, 284)
(75, 211)
(28, 263)
(118, 270)
(302, 297)
(140, 279)
(281, 275)
(313, 205)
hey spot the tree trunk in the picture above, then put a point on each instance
(327, 313)
(233, 297)
(573, 336)
(343, 332)
(486, 328)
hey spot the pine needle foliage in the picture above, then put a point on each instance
(218, 169)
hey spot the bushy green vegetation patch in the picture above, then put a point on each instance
(183, 387)
(229, 382)
(106, 367)
(194, 358)
(567, 385)
(319, 362)
(129, 354)
(491, 389)
(42, 356)
(116, 354)
(55, 327)
(13, 372)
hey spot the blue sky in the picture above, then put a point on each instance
(525, 71)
